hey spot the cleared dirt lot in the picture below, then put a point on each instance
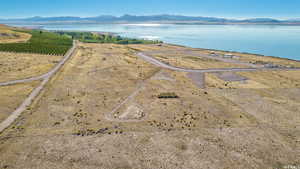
(102, 111)
(14, 66)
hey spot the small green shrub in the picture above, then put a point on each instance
(167, 96)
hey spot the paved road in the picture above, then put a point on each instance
(215, 70)
(28, 101)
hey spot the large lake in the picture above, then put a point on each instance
(282, 41)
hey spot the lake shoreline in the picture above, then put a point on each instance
(161, 23)
(237, 52)
(270, 41)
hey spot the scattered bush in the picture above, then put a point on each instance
(167, 96)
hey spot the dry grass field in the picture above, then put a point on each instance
(255, 59)
(9, 36)
(14, 66)
(102, 111)
(12, 96)
(180, 57)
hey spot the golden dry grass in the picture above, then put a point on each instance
(258, 79)
(252, 58)
(193, 62)
(275, 79)
(247, 125)
(14, 66)
(7, 35)
(12, 96)
(175, 56)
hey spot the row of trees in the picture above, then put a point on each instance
(89, 37)
(41, 42)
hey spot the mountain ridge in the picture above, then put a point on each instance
(163, 18)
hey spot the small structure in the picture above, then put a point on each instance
(272, 65)
(235, 57)
(228, 55)
(232, 56)
(212, 53)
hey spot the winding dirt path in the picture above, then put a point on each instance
(144, 56)
(192, 53)
(109, 116)
(214, 70)
(27, 102)
(44, 76)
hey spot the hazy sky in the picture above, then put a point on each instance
(219, 8)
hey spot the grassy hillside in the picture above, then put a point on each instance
(7, 35)
(41, 42)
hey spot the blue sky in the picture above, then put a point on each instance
(216, 8)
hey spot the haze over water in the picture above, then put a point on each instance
(281, 41)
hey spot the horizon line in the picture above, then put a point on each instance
(233, 18)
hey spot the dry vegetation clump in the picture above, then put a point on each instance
(92, 132)
(168, 96)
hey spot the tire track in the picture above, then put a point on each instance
(28, 101)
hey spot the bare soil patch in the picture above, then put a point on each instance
(230, 76)
(198, 79)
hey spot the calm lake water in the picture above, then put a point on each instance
(282, 41)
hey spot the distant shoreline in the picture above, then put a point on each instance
(140, 23)
(256, 54)
(186, 46)
(159, 18)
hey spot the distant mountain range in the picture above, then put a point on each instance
(176, 19)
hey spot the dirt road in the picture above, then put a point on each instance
(164, 65)
(193, 53)
(46, 77)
